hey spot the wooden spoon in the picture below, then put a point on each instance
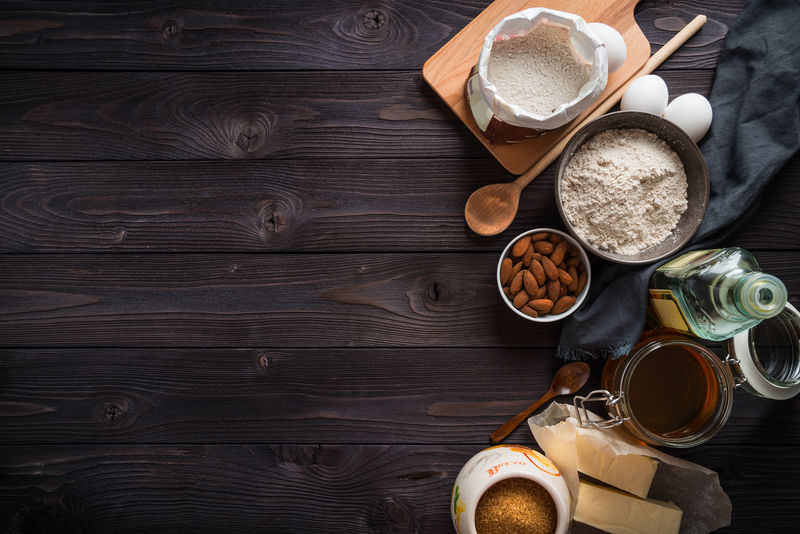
(492, 208)
(569, 379)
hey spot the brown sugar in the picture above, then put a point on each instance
(516, 506)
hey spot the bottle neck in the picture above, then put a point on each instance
(759, 295)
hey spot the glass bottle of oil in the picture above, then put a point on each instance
(714, 294)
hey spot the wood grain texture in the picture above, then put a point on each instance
(406, 395)
(300, 206)
(130, 116)
(298, 300)
(167, 116)
(283, 35)
(312, 488)
(255, 300)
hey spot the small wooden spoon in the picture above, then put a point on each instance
(569, 379)
(492, 208)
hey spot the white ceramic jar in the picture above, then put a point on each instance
(502, 462)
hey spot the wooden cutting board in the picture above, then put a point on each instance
(447, 70)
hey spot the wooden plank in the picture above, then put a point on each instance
(286, 300)
(130, 116)
(168, 116)
(407, 395)
(296, 300)
(297, 205)
(314, 488)
(284, 35)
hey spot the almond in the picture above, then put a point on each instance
(553, 289)
(538, 272)
(516, 283)
(527, 310)
(541, 293)
(564, 277)
(521, 246)
(507, 292)
(572, 251)
(550, 270)
(573, 261)
(563, 304)
(505, 270)
(574, 274)
(563, 290)
(515, 269)
(581, 282)
(539, 236)
(556, 239)
(541, 305)
(543, 247)
(537, 257)
(528, 256)
(559, 252)
(521, 299)
(529, 281)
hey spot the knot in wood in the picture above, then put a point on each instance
(273, 218)
(250, 139)
(170, 29)
(263, 361)
(113, 412)
(392, 515)
(435, 291)
(374, 20)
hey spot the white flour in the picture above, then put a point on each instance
(538, 71)
(624, 190)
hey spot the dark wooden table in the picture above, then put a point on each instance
(237, 293)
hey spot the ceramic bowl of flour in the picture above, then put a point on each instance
(631, 187)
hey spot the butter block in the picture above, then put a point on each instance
(629, 472)
(619, 513)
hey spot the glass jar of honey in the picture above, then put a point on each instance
(672, 391)
(669, 391)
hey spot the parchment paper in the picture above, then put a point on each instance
(693, 488)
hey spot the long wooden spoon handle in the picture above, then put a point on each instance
(506, 428)
(655, 60)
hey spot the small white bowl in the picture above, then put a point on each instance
(549, 318)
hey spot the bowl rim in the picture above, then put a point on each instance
(584, 134)
(549, 318)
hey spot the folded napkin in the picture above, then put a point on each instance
(756, 129)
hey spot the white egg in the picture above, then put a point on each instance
(692, 112)
(648, 94)
(615, 44)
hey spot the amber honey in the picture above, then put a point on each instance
(671, 391)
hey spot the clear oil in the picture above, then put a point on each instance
(714, 294)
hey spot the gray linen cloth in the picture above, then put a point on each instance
(755, 99)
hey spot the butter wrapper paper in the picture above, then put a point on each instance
(695, 489)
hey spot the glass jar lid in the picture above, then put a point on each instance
(766, 358)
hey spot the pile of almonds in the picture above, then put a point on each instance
(543, 274)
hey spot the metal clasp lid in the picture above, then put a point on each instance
(585, 421)
(739, 379)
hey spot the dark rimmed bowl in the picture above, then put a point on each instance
(696, 177)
